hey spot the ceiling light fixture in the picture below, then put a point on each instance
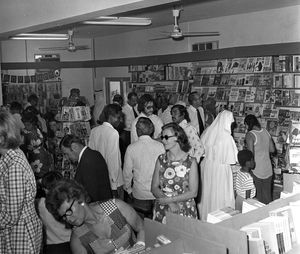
(119, 21)
(33, 36)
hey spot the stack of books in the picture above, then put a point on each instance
(221, 214)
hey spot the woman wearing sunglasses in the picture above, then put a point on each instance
(175, 179)
(99, 227)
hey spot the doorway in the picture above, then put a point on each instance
(115, 86)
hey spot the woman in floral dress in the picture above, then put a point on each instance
(39, 158)
(175, 179)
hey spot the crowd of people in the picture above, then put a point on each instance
(140, 161)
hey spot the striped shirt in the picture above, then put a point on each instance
(244, 182)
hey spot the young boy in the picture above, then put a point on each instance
(244, 187)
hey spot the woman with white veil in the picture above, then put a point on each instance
(216, 174)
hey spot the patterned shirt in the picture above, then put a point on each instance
(20, 227)
(244, 182)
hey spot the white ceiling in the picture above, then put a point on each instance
(162, 15)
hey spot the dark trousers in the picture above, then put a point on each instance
(263, 189)
(143, 207)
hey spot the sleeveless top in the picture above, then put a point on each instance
(121, 234)
(263, 168)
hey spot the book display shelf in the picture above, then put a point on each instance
(72, 120)
(161, 80)
(266, 86)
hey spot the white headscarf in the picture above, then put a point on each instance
(217, 140)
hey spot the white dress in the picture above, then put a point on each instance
(216, 173)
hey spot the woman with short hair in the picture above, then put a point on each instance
(99, 227)
(20, 227)
(175, 178)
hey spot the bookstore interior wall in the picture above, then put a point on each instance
(267, 86)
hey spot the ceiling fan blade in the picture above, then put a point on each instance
(198, 34)
(53, 48)
(160, 38)
(82, 47)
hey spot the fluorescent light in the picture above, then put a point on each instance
(33, 36)
(119, 21)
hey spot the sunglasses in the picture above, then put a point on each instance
(68, 212)
(166, 137)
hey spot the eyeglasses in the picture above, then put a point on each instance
(166, 137)
(68, 212)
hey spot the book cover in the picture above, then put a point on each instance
(295, 207)
(235, 65)
(249, 79)
(234, 94)
(242, 65)
(294, 134)
(256, 80)
(232, 80)
(266, 80)
(297, 81)
(250, 64)
(220, 93)
(240, 125)
(278, 97)
(296, 63)
(242, 94)
(227, 91)
(278, 81)
(267, 67)
(240, 80)
(274, 113)
(259, 63)
(260, 94)
(288, 81)
(250, 94)
(228, 65)
(267, 108)
(225, 80)
(294, 98)
(269, 96)
(237, 108)
(217, 80)
(205, 80)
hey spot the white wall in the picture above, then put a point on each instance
(21, 51)
(263, 27)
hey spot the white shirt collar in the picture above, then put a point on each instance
(192, 108)
(80, 154)
(108, 124)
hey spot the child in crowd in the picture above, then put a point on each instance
(244, 186)
(57, 235)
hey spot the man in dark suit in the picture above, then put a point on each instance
(91, 171)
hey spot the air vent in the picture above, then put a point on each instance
(205, 46)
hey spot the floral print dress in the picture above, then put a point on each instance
(39, 158)
(173, 181)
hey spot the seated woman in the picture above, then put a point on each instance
(175, 179)
(99, 227)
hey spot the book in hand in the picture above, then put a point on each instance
(221, 214)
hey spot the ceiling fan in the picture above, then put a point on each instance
(178, 34)
(71, 47)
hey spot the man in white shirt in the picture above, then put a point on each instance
(140, 159)
(146, 107)
(105, 139)
(196, 112)
(130, 113)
